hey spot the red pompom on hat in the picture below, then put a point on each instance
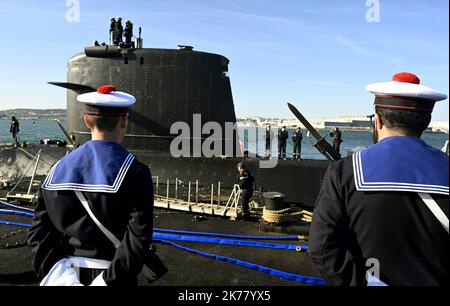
(406, 77)
(107, 101)
(106, 89)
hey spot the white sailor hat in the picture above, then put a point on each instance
(107, 101)
(405, 92)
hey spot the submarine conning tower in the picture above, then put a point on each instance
(170, 85)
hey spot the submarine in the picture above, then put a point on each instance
(170, 85)
(174, 85)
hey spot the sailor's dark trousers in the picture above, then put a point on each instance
(337, 146)
(297, 150)
(282, 149)
(246, 196)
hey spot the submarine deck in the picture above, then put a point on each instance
(185, 269)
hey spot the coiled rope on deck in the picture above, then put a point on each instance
(278, 216)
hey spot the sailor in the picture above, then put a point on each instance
(14, 129)
(297, 140)
(269, 136)
(112, 30)
(119, 32)
(128, 31)
(336, 135)
(282, 138)
(93, 221)
(245, 181)
(381, 216)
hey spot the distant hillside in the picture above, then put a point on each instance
(25, 113)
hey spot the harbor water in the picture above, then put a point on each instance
(351, 140)
(33, 131)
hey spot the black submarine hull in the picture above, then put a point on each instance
(299, 181)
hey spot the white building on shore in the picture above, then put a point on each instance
(439, 126)
(344, 122)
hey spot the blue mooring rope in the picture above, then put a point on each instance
(171, 231)
(16, 207)
(281, 274)
(186, 238)
(15, 223)
(15, 213)
(161, 237)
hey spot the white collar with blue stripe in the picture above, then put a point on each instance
(404, 164)
(97, 166)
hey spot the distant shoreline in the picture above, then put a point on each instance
(33, 114)
(360, 123)
(343, 129)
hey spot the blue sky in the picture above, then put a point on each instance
(318, 54)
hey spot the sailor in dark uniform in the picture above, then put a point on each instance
(269, 136)
(245, 181)
(100, 184)
(14, 129)
(119, 32)
(297, 140)
(282, 138)
(336, 135)
(128, 31)
(112, 30)
(381, 216)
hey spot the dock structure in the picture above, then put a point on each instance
(197, 199)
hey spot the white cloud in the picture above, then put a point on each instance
(352, 45)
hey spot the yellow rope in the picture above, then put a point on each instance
(277, 216)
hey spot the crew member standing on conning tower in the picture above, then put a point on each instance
(95, 208)
(128, 31)
(112, 30)
(384, 211)
(119, 31)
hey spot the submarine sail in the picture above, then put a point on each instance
(169, 85)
